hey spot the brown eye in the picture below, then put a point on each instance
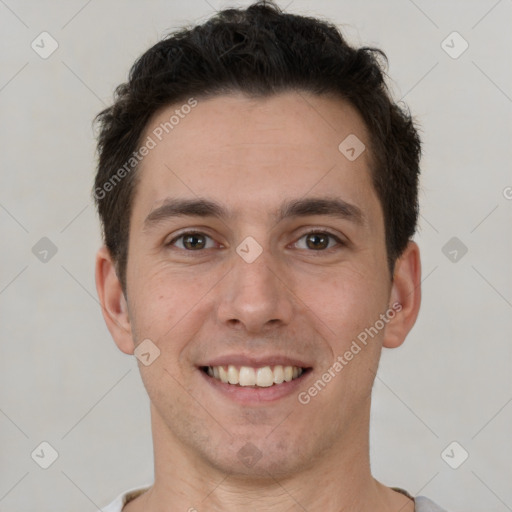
(191, 241)
(194, 242)
(319, 241)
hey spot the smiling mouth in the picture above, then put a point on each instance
(247, 376)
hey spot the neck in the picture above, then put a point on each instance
(338, 480)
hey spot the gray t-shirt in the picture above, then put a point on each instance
(421, 503)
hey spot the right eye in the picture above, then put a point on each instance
(191, 241)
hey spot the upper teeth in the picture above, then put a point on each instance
(248, 376)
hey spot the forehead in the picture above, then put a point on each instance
(252, 154)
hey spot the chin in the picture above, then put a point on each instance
(258, 457)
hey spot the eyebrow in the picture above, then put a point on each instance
(201, 207)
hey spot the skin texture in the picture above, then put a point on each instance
(250, 155)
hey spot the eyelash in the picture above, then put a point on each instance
(312, 232)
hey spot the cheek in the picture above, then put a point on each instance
(165, 310)
(345, 303)
(165, 301)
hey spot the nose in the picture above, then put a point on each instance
(255, 296)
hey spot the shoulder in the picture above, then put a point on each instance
(423, 504)
(123, 498)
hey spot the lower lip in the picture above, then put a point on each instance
(246, 395)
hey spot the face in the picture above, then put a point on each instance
(256, 243)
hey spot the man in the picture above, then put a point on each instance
(257, 189)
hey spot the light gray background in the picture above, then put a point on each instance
(62, 380)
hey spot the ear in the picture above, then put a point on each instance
(405, 296)
(113, 301)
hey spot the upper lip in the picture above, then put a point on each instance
(255, 361)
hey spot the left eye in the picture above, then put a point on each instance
(318, 240)
(192, 241)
